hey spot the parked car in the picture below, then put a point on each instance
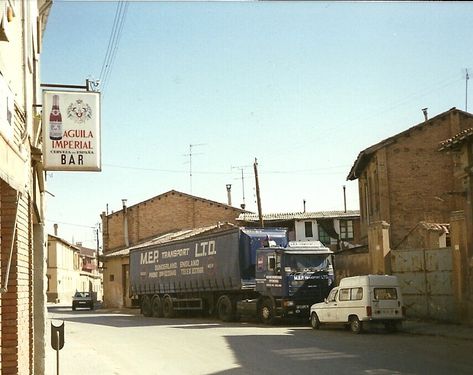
(82, 299)
(360, 301)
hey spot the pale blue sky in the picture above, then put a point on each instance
(302, 86)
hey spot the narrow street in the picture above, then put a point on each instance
(105, 342)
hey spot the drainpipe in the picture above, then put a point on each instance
(125, 223)
(4, 288)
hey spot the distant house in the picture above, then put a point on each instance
(404, 180)
(169, 212)
(336, 229)
(71, 268)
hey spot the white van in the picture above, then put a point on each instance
(360, 300)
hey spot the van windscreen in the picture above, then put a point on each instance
(385, 293)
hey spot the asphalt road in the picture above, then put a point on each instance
(100, 342)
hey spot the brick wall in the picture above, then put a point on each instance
(16, 306)
(163, 214)
(409, 180)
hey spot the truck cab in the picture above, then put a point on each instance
(290, 279)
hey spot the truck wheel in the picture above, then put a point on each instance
(314, 321)
(225, 309)
(267, 312)
(168, 308)
(146, 306)
(157, 307)
(355, 325)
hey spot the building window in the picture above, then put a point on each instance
(308, 229)
(346, 229)
(112, 277)
(323, 235)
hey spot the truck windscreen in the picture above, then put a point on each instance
(304, 263)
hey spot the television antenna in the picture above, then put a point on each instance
(242, 168)
(190, 155)
(467, 77)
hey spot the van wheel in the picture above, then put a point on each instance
(314, 321)
(391, 327)
(355, 325)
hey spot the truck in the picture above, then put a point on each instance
(232, 272)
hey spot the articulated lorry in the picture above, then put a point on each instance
(232, 272)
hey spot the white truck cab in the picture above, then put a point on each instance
(360, 300)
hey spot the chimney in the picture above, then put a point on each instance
(303, 202)
(229, 194)
(424, 110)
(345, 198)
(55, 229)
(125, 223)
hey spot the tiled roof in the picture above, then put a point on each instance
(299, 215)
(456, 140)
(170, 237)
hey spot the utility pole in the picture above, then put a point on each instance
(258, 198)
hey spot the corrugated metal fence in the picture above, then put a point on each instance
(425, 276)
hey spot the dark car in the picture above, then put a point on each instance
(82, 299)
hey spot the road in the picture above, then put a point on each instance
(105, 342)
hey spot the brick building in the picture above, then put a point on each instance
(165, 213)
(404, 180)
(460, 147)
(22, 239)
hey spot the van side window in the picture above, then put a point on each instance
(385, 293)
(356, 294)
(344, 295)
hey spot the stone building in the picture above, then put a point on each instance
(165, 213)
(404, 180)
(22, 239)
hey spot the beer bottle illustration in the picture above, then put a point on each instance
(55, 120)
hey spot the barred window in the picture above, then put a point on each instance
(346, 229)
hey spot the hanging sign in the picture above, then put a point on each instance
(71, 131)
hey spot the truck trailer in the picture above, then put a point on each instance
(232, 273)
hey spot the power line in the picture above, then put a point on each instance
(113, 42)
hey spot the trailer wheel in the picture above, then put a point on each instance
(146, 306)
(168, 308)
(266, 312)
(157, 307)
(355, 325)
(225, 309)
(314, 321)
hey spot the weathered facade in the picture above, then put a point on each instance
(404, 180)
(71, 268)
(165, 213)
(22, 244)
(460, 147)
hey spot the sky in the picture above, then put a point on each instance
(302, 87)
